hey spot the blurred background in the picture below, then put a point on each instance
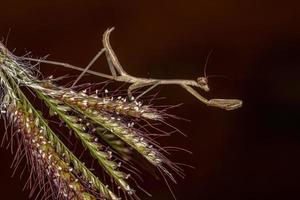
(251, 153)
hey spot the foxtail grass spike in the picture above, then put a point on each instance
(44, 160)
(89, 141)
(115, 105)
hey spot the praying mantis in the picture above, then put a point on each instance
(119, 74)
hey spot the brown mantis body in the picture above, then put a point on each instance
(119, 74)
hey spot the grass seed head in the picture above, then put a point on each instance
(45, 160)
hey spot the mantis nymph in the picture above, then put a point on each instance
(119, 74)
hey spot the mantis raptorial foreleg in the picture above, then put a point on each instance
(119, 74)
(227, 104)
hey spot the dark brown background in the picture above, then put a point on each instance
(251, 153)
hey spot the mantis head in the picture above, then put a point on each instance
(203, 83)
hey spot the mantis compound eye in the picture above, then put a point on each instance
(203, 83)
